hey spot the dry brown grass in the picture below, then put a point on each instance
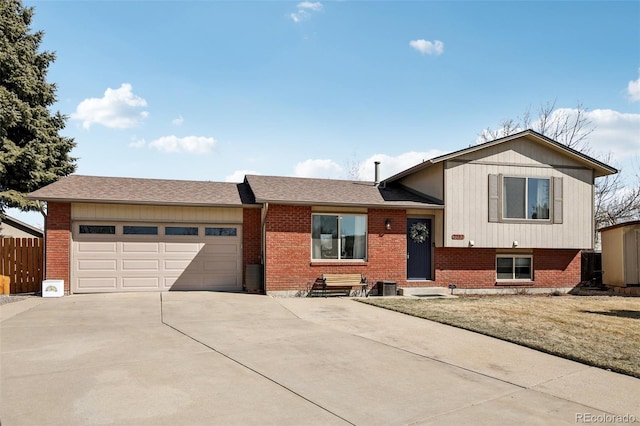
(599, 331)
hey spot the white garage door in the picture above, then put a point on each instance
(115, 257)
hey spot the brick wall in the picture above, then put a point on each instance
(251, 238)
(58, 242)
(475, 268)
(288, 249)
(289, 266)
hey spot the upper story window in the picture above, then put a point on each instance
(525, 198)
(535, 200)
(338, 237)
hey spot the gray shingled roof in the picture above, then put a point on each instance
(78, 188)
(307, 191)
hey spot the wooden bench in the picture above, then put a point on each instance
(338, 283)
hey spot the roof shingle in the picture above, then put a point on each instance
(308, 191)
(79, 188)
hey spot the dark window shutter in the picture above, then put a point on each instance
(494, 198)
(557, 200)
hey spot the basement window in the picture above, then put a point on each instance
(514, 268)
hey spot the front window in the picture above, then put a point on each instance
(525, 198)
(512, 268)
(339, 237)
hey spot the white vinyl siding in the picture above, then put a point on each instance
(468, 209)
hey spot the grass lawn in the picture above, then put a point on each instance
(595, 330)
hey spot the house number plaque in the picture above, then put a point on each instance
(457, 237)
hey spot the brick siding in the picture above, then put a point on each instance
(474, 268)
(58, 242)
(289, 266)
(288, 249)
(251, 238)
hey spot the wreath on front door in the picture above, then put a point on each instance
(419, 232)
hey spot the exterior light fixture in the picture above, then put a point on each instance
(515, 244)
(387, 224)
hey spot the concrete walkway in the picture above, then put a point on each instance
(215, 358)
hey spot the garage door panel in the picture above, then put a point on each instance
(97, 265)
(97, 283)
(117, 262)
(181, 247)
(176, 265)
(221, 249)
(140, 283)
(96, 247)
(149, 265)
(128, 247)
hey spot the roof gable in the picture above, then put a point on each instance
(600, 168)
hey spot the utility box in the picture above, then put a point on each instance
(621, 254)
(387, 288)
(52, 288)
(253, 278)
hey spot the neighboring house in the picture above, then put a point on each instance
(621, 254)
(13, 228)
(511, 213)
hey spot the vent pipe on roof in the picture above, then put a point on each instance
(377, 173)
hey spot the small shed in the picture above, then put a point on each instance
(621, 254)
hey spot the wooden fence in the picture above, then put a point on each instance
(22, 260)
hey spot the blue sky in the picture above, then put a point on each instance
(210, 90)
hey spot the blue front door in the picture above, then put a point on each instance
(418, 249)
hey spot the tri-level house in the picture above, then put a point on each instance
(512, 213)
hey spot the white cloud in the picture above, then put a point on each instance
(304, 10)
(315, 6)
(318, 169)
(188, 144)
(615, 132)
(178, 121)
(427, 47)
(118, 108)
(633, 90)
(137, 143)
(238, 175)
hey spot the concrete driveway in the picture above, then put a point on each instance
(216, 358)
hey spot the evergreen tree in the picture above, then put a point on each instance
(32, 152)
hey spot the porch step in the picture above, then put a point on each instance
(426, 292)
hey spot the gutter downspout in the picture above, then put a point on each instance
(263, 243)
